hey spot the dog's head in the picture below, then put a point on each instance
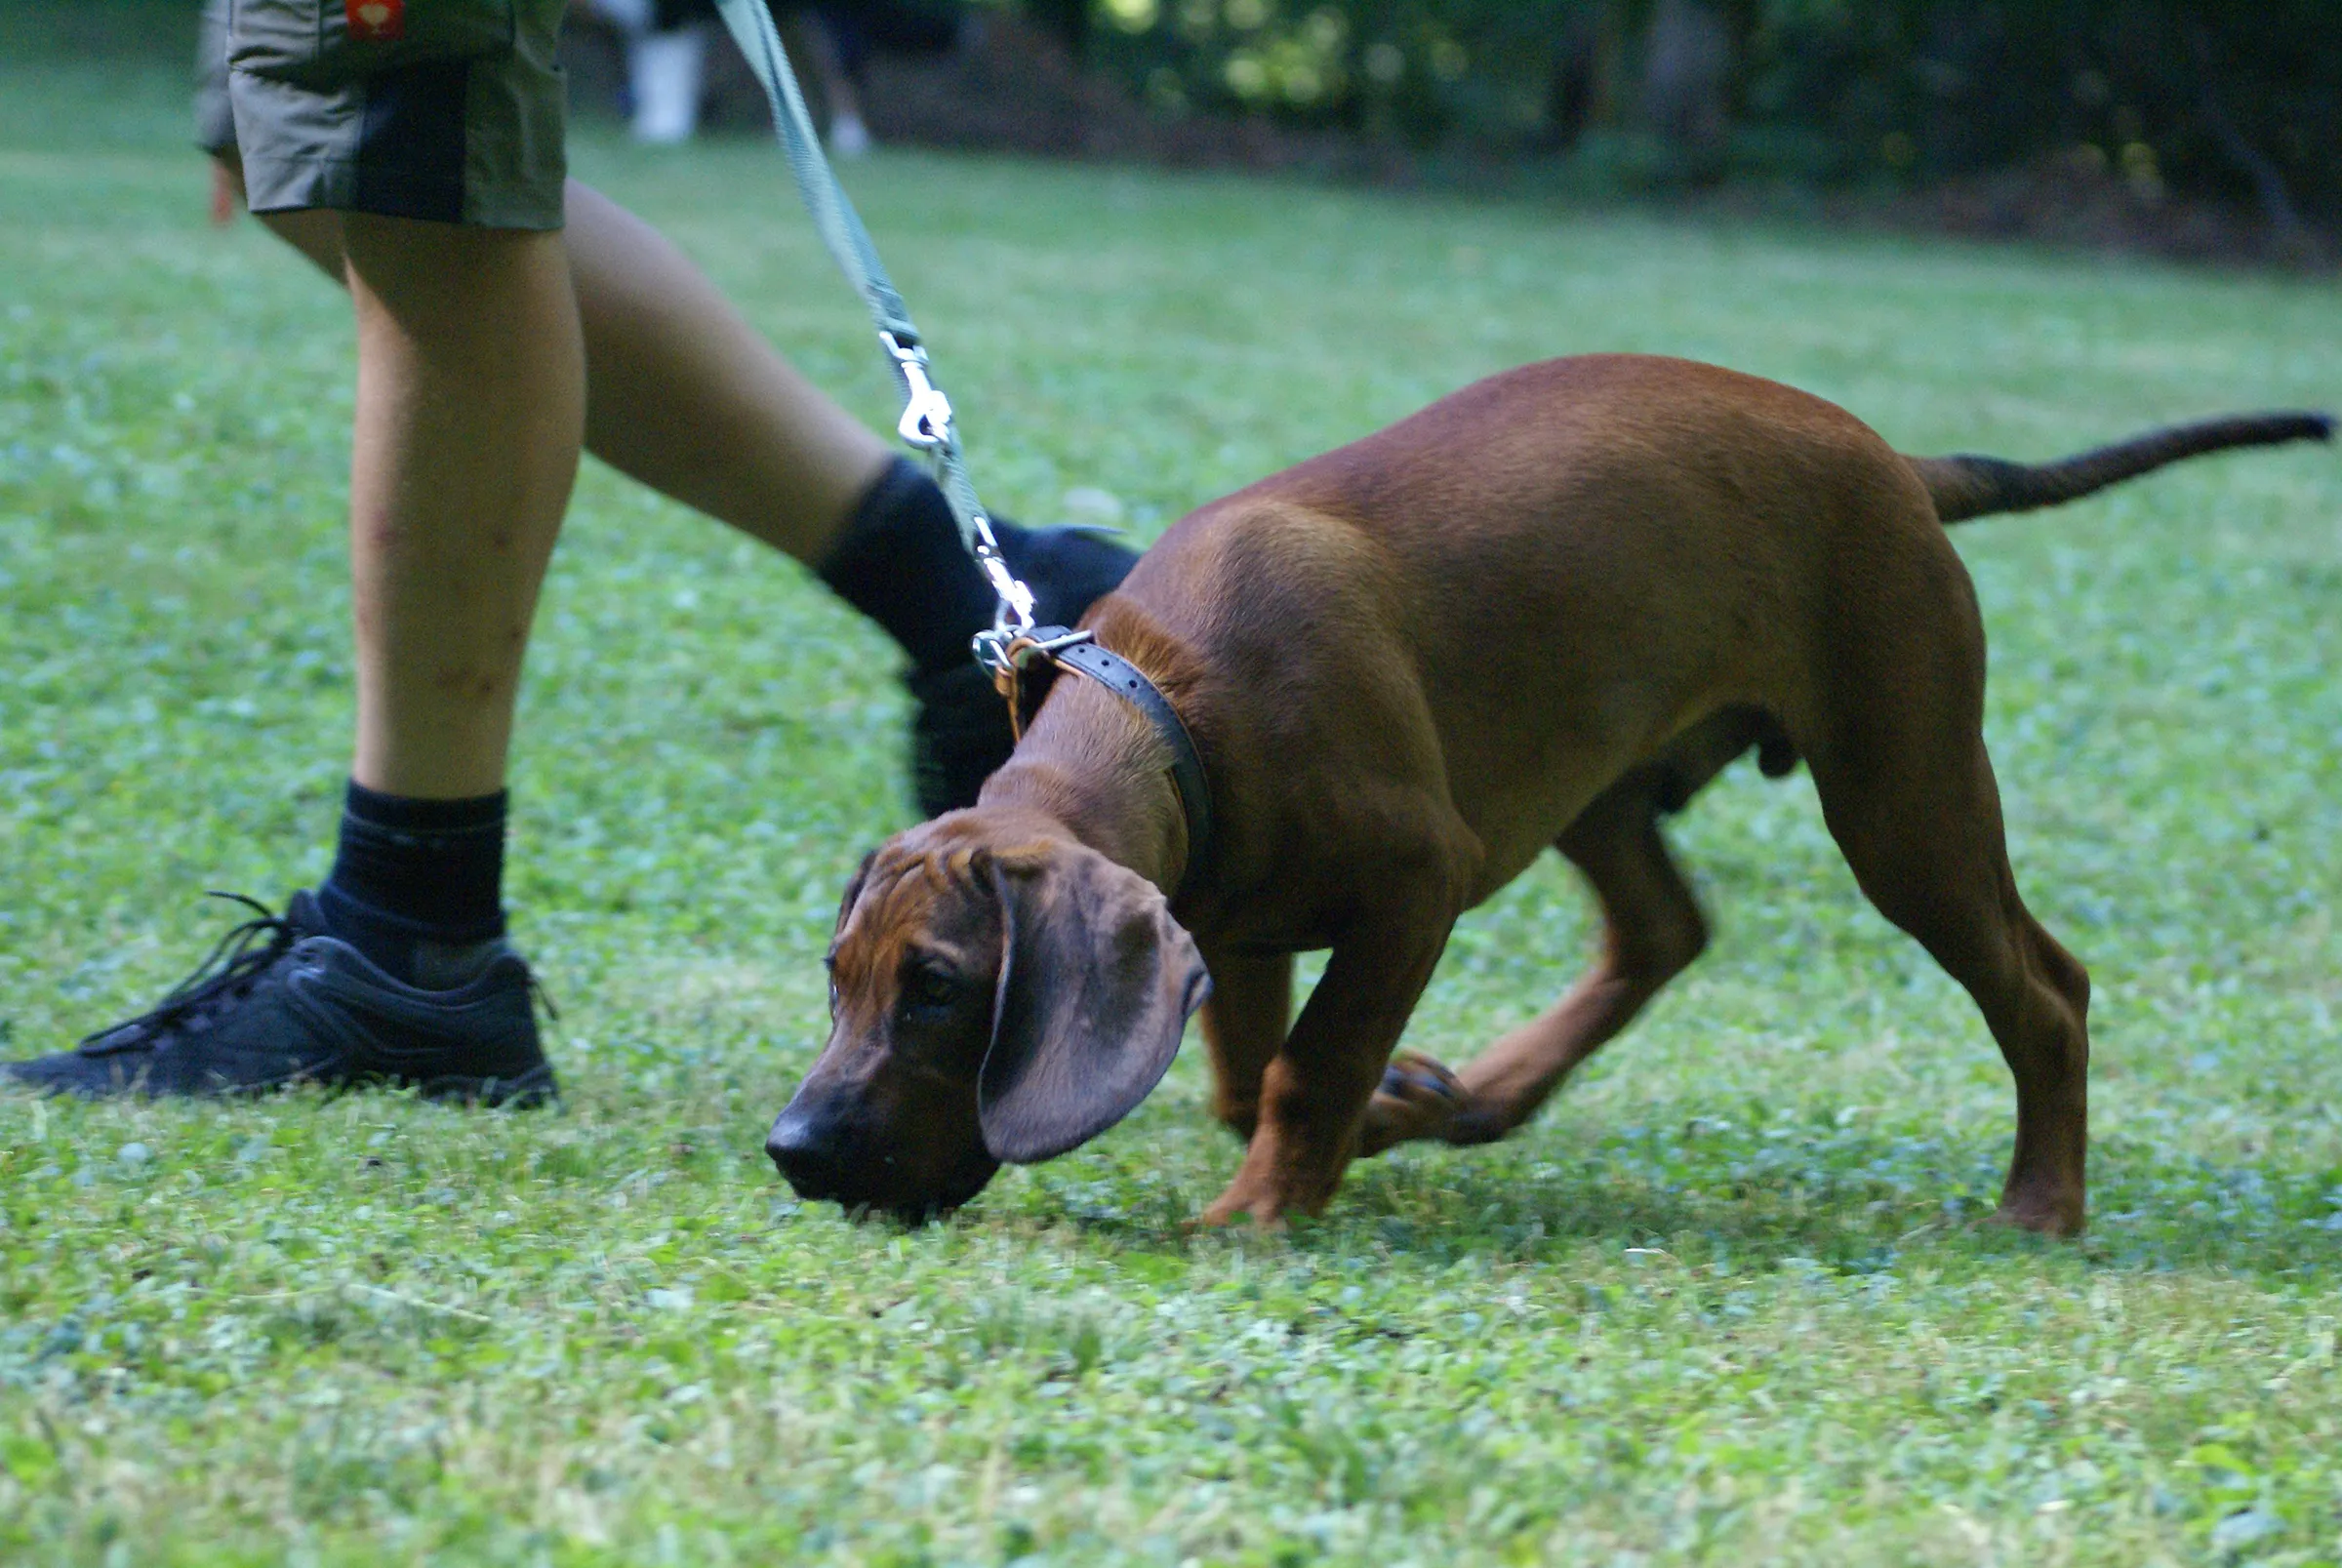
(994, 996)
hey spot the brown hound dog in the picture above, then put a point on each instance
(1546, 610)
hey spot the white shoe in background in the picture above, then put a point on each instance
(849, 137)
(630, 16)
(666, 70)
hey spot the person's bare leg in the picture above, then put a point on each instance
(681, 392)
(685, 396)
(470, 409)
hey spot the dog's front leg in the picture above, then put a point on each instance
(1244, 1024)
(1314, 1095)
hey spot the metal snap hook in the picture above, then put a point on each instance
(926, 420)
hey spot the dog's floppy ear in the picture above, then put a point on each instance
(1096, 985)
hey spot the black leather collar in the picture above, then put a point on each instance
(1127, 681)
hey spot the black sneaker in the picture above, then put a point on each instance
(960, 732)
(280, 1003)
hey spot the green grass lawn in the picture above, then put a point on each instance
(1730, 1301)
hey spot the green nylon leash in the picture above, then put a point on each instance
(1013, 643)
(926, 422)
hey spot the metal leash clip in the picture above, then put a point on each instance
(926, 420)
(1015, 614)
(926, 423)
(927, 412)
(1010, 645)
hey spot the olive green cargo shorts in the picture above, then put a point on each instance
(449, 110)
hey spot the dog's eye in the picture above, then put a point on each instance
(927, 987)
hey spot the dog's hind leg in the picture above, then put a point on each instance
(1245, 1025)
(1909, 793)
(1653, 930)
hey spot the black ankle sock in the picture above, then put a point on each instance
(416, 872)
(898, 560)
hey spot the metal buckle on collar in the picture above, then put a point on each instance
(1008, 654)
(1038, 643)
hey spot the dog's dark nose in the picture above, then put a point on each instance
(807, 1154)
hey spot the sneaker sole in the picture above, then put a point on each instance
(533, 1088)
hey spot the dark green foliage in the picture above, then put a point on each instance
(2192, 93)
(2238, 100)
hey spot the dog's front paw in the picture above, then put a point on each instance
(2049, 1213)
(1419, 1098)
(1265, 1211)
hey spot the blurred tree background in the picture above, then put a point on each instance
(2235, 100)
(2232, 103)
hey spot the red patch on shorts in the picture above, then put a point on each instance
(375, 22)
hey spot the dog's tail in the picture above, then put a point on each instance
(1965, 487)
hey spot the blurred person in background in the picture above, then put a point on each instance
(667, 63)
(667, 42)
